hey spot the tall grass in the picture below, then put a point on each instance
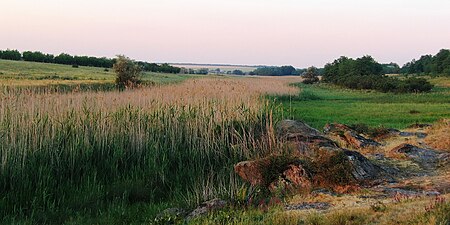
(63, 154)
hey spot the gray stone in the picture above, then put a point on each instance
(206, 207)
(309, 205)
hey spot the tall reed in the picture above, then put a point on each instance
(74, 152)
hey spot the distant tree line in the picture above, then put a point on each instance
(67, 59)
(277, 71)
(366, 73)
(438, 64)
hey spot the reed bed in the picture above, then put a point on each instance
(67, 153)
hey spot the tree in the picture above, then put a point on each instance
(237, 72)
(276, 71)
(65, 59)
(311, 75)
(127, 71)
(366, 73)
(431, 65)
(11, 55)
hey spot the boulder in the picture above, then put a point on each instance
(291, 172)
(363, 169)
(286, 128)
(427, 158)
(252, 171)
(349, 136)
(207, 207)
(294, 178)
(274, 172)
(336, 128)
(357, 141)
(305, 138)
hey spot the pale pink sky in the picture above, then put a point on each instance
(270, 32)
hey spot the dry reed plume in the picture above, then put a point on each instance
(183, 138)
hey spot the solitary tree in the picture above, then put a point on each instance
(127, 72)
(311, 75)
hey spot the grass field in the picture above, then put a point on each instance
(321, 104)
(121, 157)
(19, 73)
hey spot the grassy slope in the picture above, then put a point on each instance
(19, 73)
(321, 104)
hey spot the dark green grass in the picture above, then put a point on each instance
(320, 104)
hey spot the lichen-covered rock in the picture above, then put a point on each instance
(206, 207)
(363, 170)
(305, 138)
(349, 136)
(264, 172)
(294, 178)
(427, 158)
(252, 171)
(296, 171)
(336, 128)
(287, 128)
(357, 141)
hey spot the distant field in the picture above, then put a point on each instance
(321, 104)
(213, 67)
(19, 73)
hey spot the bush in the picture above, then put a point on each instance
(366, 73)
(128, 73)
(310, 80)
(415, 85)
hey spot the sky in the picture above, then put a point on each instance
(251, 32)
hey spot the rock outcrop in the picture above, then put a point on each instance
(291, 172)
(274, 172)
(427, 158)
(363, 169)
(349, 136)
(303, 137)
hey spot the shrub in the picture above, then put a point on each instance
(330, 169)
(366, 73)
(311, 76)
(128, 73)
(310, 80)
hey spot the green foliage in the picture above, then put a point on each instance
(37, 57)
(438, 64)
(311, 76)
(391, 68)
(237, 72)
(10, 55)
(66, 59)
(366, 73)
(128, 73)
(276, 71)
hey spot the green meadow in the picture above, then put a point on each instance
(20, 73)
(121, 157)
(320, 104)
